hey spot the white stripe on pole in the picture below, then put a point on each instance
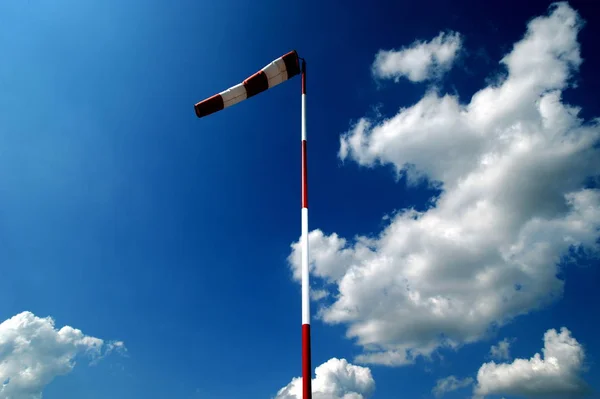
(305, 276)
(303, 116)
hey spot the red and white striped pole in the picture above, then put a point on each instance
(306, 359)
(278, 71)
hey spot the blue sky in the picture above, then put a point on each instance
(124, 216)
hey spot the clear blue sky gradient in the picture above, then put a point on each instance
(124, 215)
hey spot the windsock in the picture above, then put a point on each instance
(278, 71)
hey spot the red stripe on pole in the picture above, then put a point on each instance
(303, 77)
(209, 106)
(304, 177)
(306, 366)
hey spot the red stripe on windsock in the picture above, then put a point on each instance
(304, 177)
(209, 106)
(306, 366)
(256, 83)
(292, 65)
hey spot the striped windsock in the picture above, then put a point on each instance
(278, 71)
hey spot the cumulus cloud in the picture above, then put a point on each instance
(556, 374)
(501, 351)
(511, 165)
(33, 352)
(420, 61)
(334, 379)
(450, 384)
(330, 257)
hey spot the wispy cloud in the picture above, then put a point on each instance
(449, 384)
(420, 61)
(501, 351)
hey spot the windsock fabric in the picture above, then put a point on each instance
(278, 71)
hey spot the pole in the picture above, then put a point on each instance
(306, 361)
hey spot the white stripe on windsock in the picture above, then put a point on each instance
(276, 72)
(234, 95)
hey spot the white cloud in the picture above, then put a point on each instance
(420, 61)
(330, 259)
(450, 384)
(511, 165)
(33, 352)
(557, 374)
(334, 379)
(501, 351)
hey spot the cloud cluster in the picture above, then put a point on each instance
(511, 165)
(556, 374)
(33, 352)
(334, 379)
(420, 61)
